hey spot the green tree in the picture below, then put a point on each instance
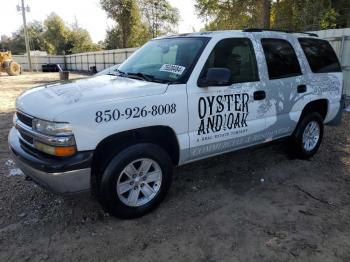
(16, 42)
(56, 34)
(79, 41)
(160, 16)
(228, 14)
(113, 38)
(342, 7)
(61, 39)
(329, 19)
(127, 16)
(35, 33)
(294, 15)
(54, 37)
(305, 15)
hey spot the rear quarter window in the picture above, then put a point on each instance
(320, 55)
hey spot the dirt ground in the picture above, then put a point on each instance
(253, 205)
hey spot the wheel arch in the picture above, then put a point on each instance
(163, 136)
(320, 106)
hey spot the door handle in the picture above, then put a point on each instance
(301, 88)
(259, 95)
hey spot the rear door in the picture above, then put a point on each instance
(287, 89)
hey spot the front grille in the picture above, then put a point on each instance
(28, 148)
(25, 137)
(25, 119)
(25, 123)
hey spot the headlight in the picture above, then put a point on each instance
(52, 128)
(58, 139)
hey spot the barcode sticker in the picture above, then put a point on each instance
(176, 69)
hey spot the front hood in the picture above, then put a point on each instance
(48, 101)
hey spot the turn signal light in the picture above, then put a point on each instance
(55, 150)
(65, 150)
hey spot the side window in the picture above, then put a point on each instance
(280, 58)
(320, 55)
(236, 54)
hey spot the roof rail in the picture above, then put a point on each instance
(276, 30)
(307, 33)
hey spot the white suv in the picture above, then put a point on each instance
(176, 100)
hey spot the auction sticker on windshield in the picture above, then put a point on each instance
(176, 69)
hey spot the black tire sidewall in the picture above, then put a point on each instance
(299, 149)
(108, 192)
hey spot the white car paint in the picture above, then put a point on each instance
(78, 102)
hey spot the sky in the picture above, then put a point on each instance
(87, 12)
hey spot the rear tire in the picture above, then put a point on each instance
(135, 181)
(13, 69)
(307, 137)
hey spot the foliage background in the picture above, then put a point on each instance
(137, 21)
(293, 15)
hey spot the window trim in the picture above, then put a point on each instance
(254, 54)
(321, 40)
(267, 66)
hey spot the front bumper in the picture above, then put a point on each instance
(62, 175)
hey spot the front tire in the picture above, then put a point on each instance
(136, 180)
(307, 137)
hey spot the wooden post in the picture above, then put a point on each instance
(26, 38)
(104, 60)
(65, 62)
(87, 60)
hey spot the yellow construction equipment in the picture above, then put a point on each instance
(8, 65)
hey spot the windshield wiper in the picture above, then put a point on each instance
(142, 76)
(139, 76)
(121, 73)
(149, 78)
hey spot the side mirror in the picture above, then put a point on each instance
(217, 76)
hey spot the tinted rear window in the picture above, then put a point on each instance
(280, 58)
(320, 55)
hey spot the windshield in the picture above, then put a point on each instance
(165, 60)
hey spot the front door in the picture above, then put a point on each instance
(226, 118)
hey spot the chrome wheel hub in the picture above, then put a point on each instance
(139, 182)
(311, 135)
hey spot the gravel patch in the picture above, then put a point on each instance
(252, 205)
